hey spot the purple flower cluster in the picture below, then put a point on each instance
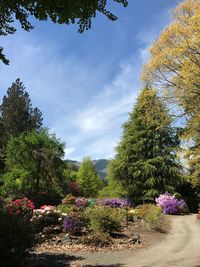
(170, 204)
(114, 202)
(82, 202)
(71, 224)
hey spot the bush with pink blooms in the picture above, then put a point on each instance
(171, 205)
(46, 216)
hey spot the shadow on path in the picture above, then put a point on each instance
(59, 260)
(51, 260)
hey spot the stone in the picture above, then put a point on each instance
(136, 239)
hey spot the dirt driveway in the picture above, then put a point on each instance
(180, 248)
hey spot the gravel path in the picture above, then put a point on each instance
(180, 248)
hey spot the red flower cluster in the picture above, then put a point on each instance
(21, 207)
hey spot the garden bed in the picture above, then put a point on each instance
(137, 235)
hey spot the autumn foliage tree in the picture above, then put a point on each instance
(174, 68)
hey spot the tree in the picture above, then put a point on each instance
(38, 158)
(88, 178)
(16, 113)
(59, 11)
(113, 187)
(16, 116)
(174, 67)
(145, 161)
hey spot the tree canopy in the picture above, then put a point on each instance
(59, 11)
(16, 116)
(174, 68)
(145, 162)
(88, 178)
(16, 112)
(35, 159)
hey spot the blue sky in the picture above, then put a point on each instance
(85, 84)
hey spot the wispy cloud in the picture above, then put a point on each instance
(83, 101)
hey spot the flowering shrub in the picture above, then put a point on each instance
(21, 207)
(170, 204)
(82, 202)
(46, 216)
(71, 224)
(74, 188)
(113, 202)
(16, 234)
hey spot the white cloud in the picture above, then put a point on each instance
(80, 101)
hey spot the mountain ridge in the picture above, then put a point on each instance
(99, 164)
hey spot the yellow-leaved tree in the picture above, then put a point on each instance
(174, 68)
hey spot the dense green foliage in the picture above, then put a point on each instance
(16, 237)
(62, 12)
(173, 68)
(35, 164)
(146, 162)
(151, 214)
(16, 116)
(105, 219)
(113, 188)
(88, 178)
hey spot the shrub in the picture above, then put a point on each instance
(46, 216)
(16, 238)
(74, 188)
(150, 213)
(21, 207)
(171, 205)
(105, 219)
(82, 202)
(132, 215)
(66, 209)
(72, 224)
(113, 202)
(69, 200)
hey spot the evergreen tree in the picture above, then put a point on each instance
(16, 112)
(146, 162)
(16, 116)
(89, 179)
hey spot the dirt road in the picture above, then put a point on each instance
(180, 248)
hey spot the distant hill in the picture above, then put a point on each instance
(99, 164)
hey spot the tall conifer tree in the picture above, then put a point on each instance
(145, 161)
(16, 116)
